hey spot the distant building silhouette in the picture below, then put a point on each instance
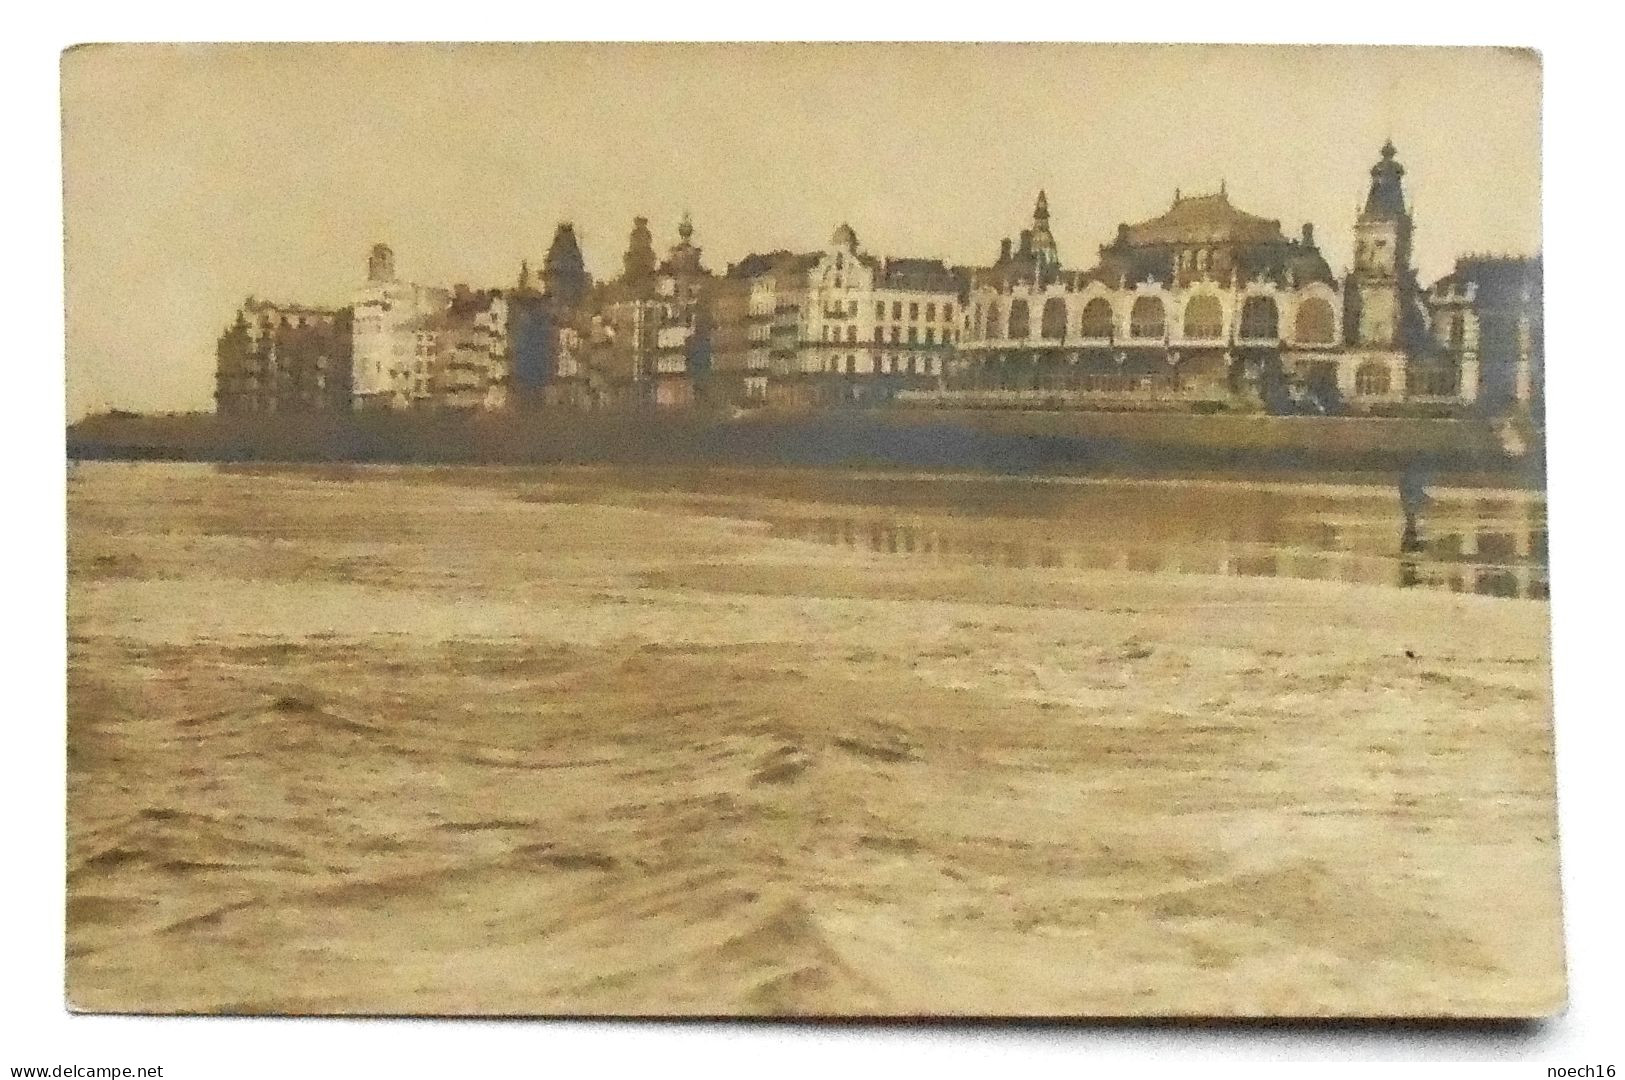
(564, 274)
(283, 358)
(1488, 336)
(1203, 307)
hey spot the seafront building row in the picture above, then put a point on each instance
(1205, 307)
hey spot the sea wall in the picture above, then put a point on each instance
(998, 441)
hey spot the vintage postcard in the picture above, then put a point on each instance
(808, 530)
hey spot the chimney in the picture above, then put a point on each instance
(1004, 250)
(1308, 234)
(1026, 241)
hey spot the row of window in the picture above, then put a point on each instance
(1315, 323)
(890, 364)
(1372, 378)
(298, 321)
(1198, 259)
(913, 311)
(850, 311)
(915, 335)
(1433, 381)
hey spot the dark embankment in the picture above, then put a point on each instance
(1005, 442)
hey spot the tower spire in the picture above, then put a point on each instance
(1038, 241)
(1385, 201)
(564, 274)
(638, 264)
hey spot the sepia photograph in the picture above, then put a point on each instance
(808, 530)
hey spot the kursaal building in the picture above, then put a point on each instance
(1207, 304)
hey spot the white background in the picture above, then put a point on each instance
(1586, 394)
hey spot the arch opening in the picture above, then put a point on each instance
(1148, 318)
(1098, 321)
(1260, 320)
(1020, 323)
(1315, 323)
(1052, 325)
(1204, 318)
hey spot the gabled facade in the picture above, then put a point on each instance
(870, 327)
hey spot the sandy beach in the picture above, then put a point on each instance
(385, 740)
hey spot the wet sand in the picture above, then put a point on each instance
(389, 740)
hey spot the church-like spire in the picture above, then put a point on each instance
(1041, 208)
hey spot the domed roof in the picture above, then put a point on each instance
(844, 237)
(1204, 219)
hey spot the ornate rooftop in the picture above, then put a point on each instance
(1202, 219)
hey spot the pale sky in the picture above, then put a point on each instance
(196, 175)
